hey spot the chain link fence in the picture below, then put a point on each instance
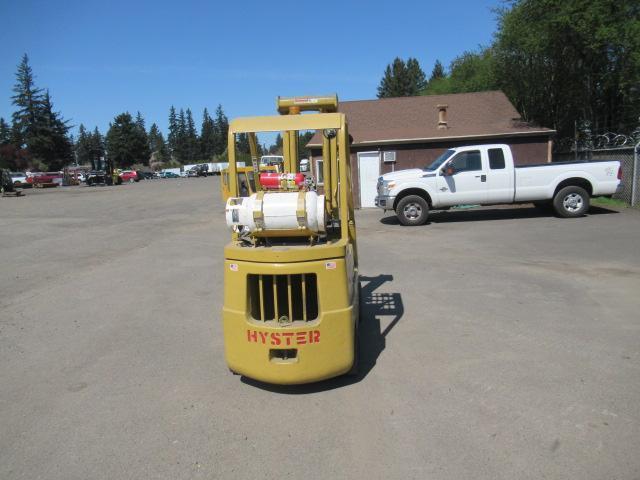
(628, 156)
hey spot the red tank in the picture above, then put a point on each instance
(275, 181)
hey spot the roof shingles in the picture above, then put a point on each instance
(406, 119)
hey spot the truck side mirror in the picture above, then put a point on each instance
(449, 170)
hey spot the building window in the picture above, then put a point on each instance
(319, 171)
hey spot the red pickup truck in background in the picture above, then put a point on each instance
(45, 179)
(129, 176)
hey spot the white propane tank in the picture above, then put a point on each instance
(277, 211)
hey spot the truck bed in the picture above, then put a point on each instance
(539, 182)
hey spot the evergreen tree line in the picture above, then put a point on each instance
(186, 145)
(39, 138)
(561, 63)
(128, 143)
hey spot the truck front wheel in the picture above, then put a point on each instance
(412, 210)
(571, 202)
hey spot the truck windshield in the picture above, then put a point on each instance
(439, 161)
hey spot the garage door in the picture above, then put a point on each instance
(369, 171)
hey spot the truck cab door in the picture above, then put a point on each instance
(500, 177)
(467, 183)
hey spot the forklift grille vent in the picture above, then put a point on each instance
(283, 298)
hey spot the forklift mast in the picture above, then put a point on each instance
(338, 198)
(291, 284)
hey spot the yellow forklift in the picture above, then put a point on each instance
(291, 288)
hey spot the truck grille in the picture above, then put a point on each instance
(285, 298)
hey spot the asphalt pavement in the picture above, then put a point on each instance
(497, 343)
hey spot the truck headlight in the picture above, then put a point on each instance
(389, 185)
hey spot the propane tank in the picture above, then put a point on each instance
(273, 214)
(281, 181)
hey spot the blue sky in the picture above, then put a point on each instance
(99, 59)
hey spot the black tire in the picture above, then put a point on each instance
(571, 202)
(412, 210)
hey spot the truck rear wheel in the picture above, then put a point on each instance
(412, 210)
(571, 202)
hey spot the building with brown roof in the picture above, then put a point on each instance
(409, 132)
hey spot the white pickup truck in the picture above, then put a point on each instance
(486, 175)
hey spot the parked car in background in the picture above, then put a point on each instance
(45, 179)
(486, 175)
(169, 175)
(19, 178)
(129, 176)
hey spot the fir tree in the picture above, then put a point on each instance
(402, 79)
(172, 138)
(207, 137)
(192, 149)
(83, 146)
(222, 130)
(53, 144)
(28, 100)
(437, 72)
(140, 122)
(181, 138)
(242, 143)
(97, 149)
(157, 144)
(125, 143)
(141, 126)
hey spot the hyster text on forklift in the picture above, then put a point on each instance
(291, 289)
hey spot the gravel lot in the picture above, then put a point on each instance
(509, 347)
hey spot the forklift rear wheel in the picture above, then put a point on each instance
(412, 210)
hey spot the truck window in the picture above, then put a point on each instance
(467, 161)
(496, 158)
(439, 161)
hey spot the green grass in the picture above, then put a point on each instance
(608, 202)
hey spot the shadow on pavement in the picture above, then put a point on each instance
(488, 214)
(373, 306)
